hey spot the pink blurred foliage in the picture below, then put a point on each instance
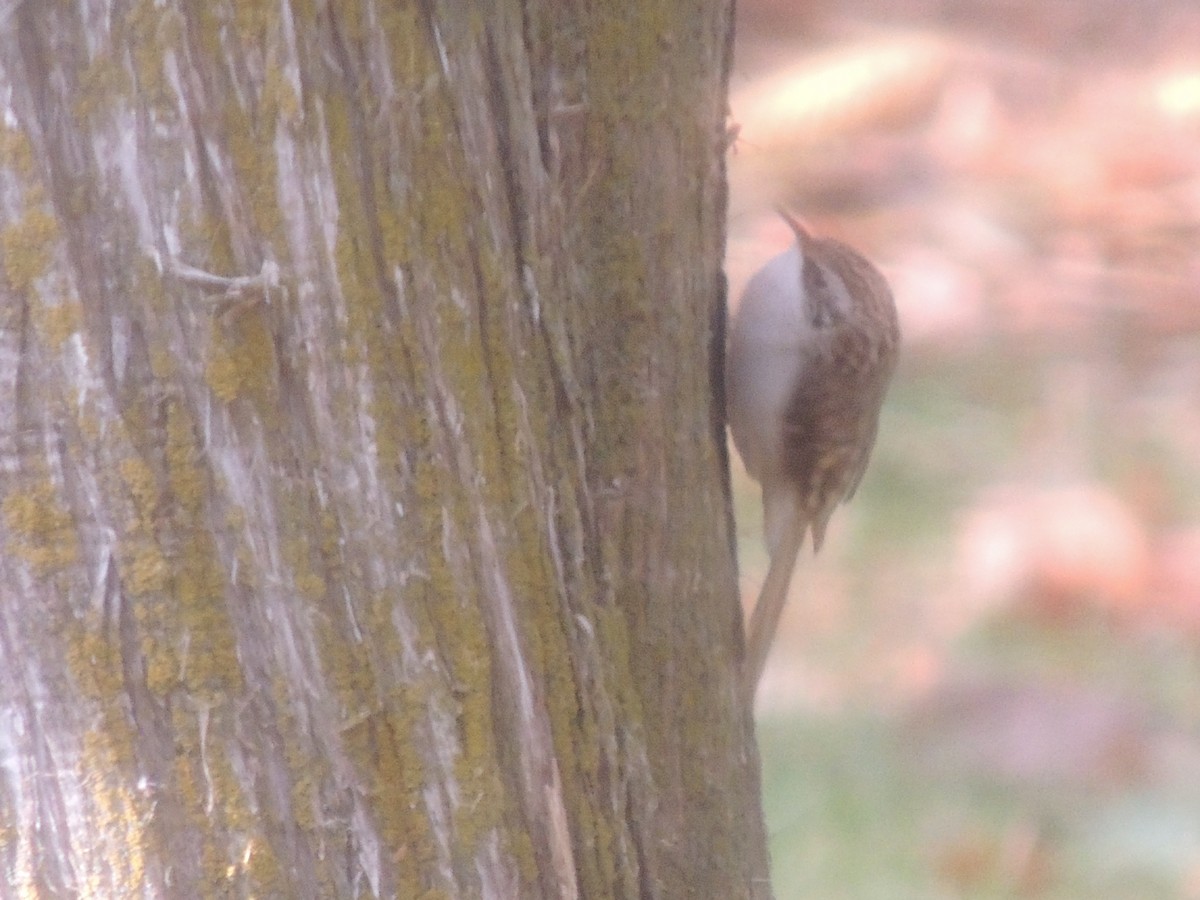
(1058, 553)
(1175, 578)
(1032, 731)
(1003, 191)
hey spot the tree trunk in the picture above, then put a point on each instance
(365, 516)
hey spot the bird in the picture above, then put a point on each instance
(813, 345)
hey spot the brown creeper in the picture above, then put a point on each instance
(811, 351)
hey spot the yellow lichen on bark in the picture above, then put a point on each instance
(223, 373)
(28, 247)
(94, 661)
(144, 569)
(119, 817)
(152, 30)
(213, 669)
(57, 321)
(42, 528)
(241, 362)
(16, 152)
(185, 477)
(101, 83)
(253, 155)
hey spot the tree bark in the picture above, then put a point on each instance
(365, 508)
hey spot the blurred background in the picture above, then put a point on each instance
(988, 684)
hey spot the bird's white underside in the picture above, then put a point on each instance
(767, 355)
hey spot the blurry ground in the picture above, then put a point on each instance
(988, 685)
